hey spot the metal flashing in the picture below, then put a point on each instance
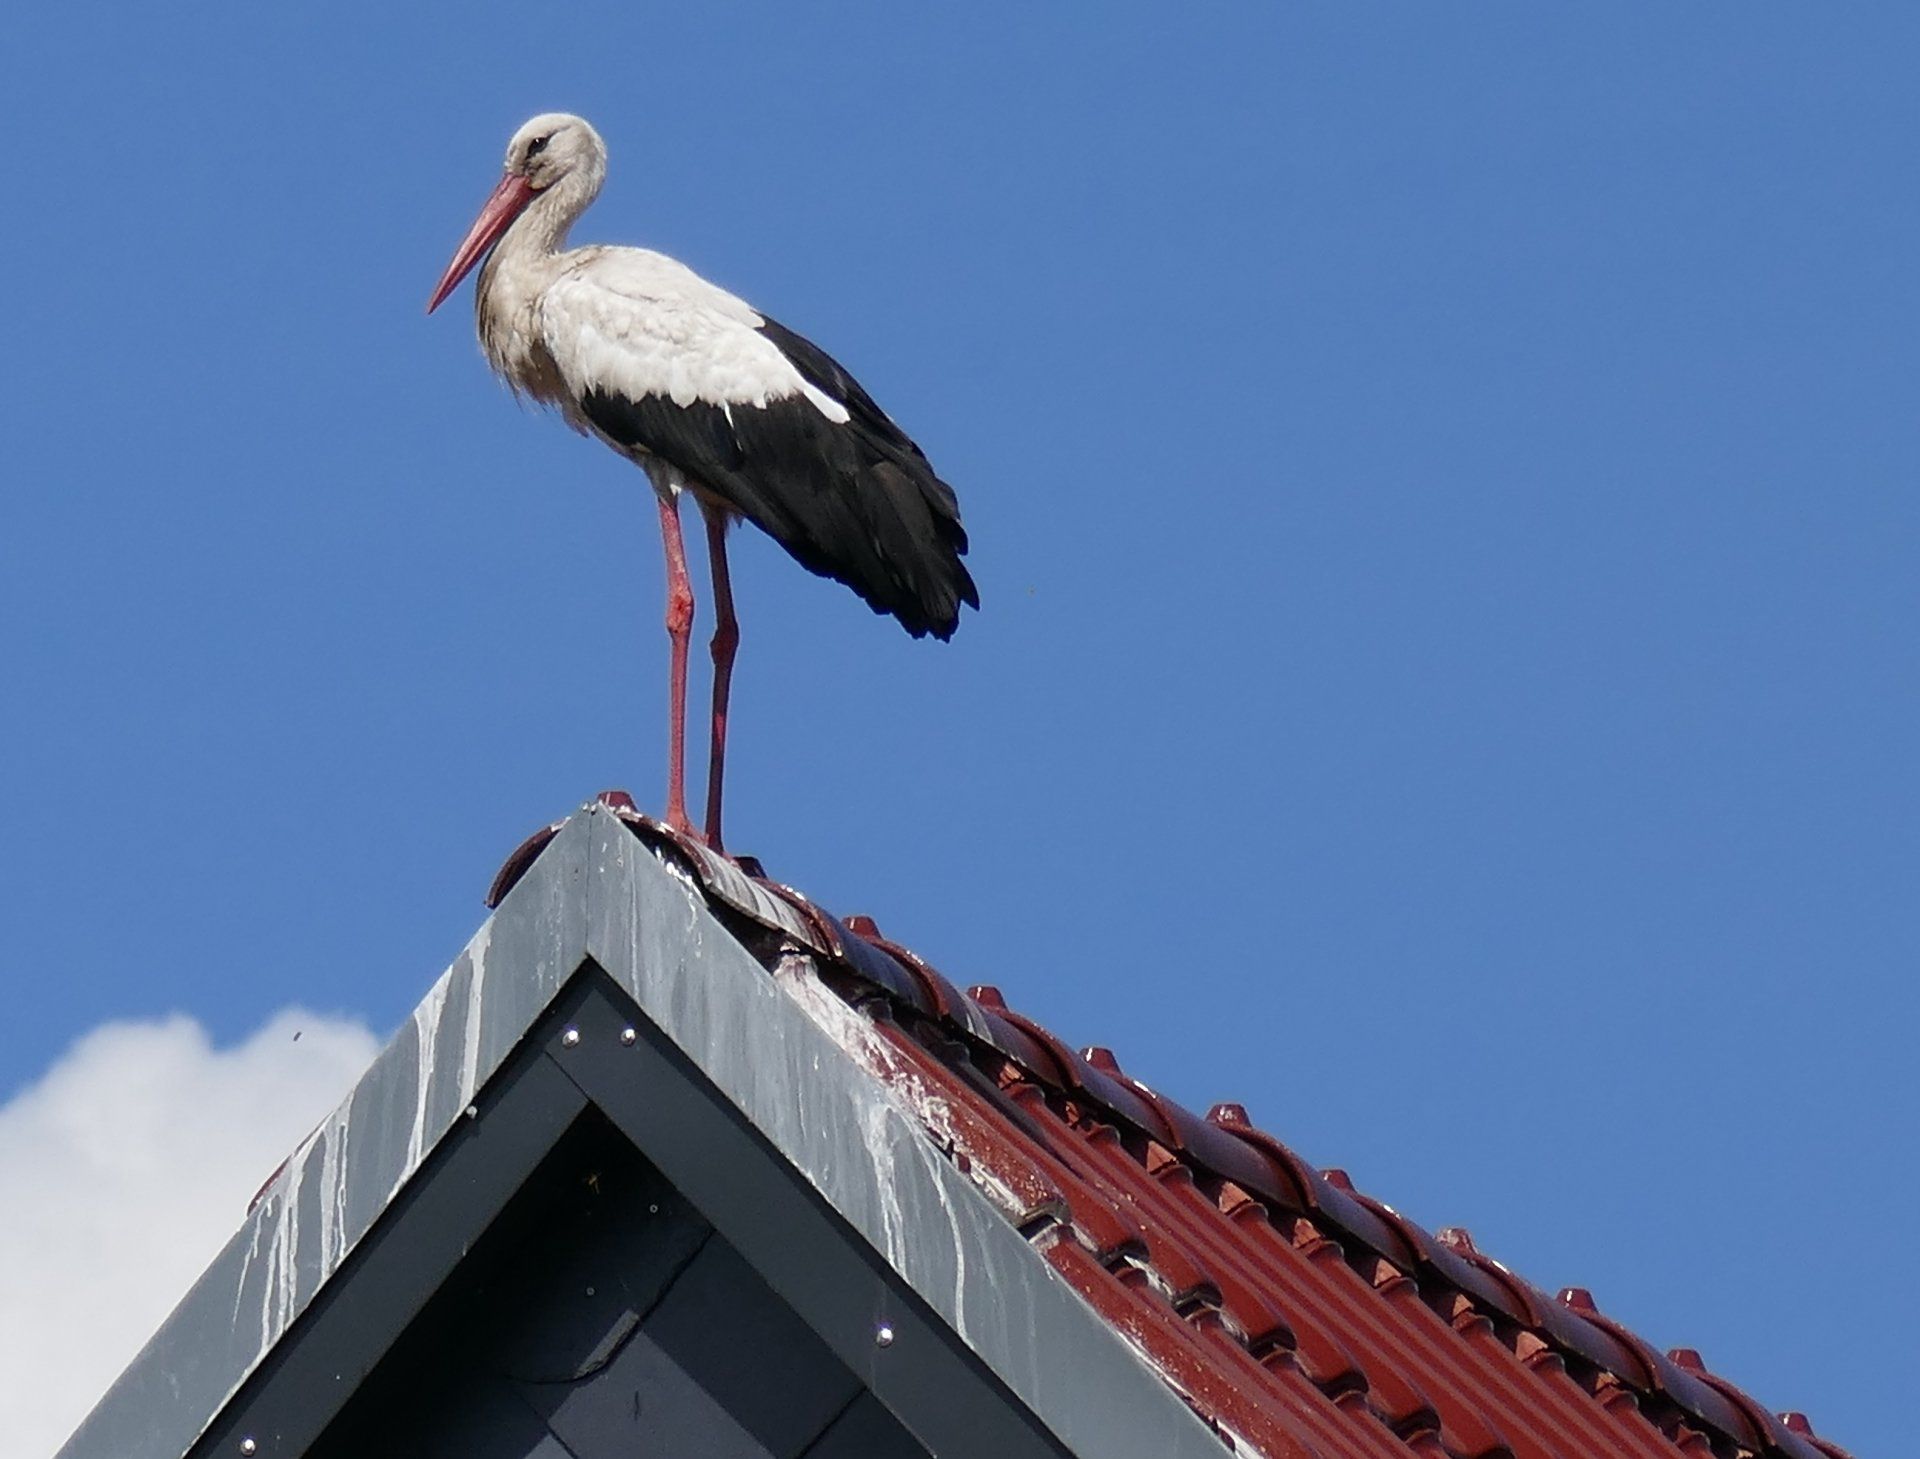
(596, 897)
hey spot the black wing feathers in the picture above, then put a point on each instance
(854, 501)
(823, 372)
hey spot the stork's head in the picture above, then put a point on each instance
(554, 145)
(554, 153)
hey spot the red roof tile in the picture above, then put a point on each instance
(1296, 1315)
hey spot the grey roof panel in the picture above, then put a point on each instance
(598, 895)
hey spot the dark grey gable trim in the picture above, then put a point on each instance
(595, 1047)
(347, 1173)
(900, 1351)
(597, 895)
(301, 1386)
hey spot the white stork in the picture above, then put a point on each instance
(708, 396)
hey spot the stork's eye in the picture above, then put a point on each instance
(537, 146)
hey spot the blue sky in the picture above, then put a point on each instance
(1443, 494)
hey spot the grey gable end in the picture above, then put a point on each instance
(604, 1020)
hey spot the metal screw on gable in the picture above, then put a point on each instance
(883, 1336)
(627, 1036)
(247, 1446)
(570, 1037)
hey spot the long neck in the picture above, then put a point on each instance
(522, 263)
(525, 260)
(542, 229)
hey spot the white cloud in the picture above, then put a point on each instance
(122, 1172)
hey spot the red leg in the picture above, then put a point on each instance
(726, 641)
(679, 629)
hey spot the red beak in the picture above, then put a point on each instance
(509, 200)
